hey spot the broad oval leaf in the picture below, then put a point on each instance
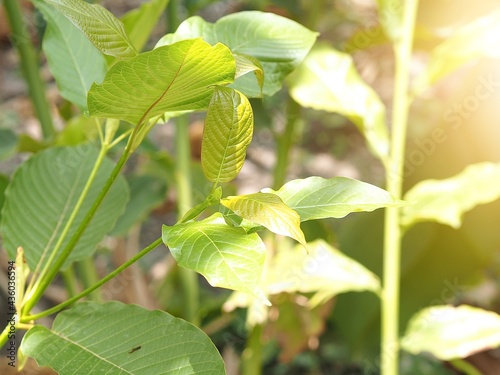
(279, 43)
(40, 198)
(103, 29)
(227, 134)
(479, 38)
(4, 182)
(73, 60)
(269, 211)
(228, 257)
(450, 332)
(324, 271)
(114, 338)
(327, 80)
(319, 198)
(179, 77)
(445, 201)
(140, 22)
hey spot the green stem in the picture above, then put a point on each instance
(252, 355)
(394, 181)
(29, 64)
(465, 367)
(50, 269)
(4, 336)
(44, 282)
(87, 291)
(69, 278)
(285, 142)
(88, 274)
(184, 204)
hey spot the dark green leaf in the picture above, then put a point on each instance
(114, 338)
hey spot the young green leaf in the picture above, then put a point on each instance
(327, 80)
(41, 196)
(140, 22)
(228, 257)
(179, 77)
(450, 332)
(279, 43)
(324, 271)
(227, 134)
(467, 43)
(445, 201)
(114, 338)
(269, 211)
(73, 60)
(246, 64)
(319, 198)
(103, 29)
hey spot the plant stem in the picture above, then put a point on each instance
(285, 142)
(465, 367)
(88, 274)
(394, 181)
(87, 291)
(252, 355)
(44, 282)
(29, 64)
(49, 271)
(69, 278)
(184, 203)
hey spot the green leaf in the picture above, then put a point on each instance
(324, 271)
(179, 77)
(146, 193)
(114, 338)
(140, 22)
(246, 64)
(41, 196)
(280, 44)
(479, 38)
(445, 201)
(227, 134)
(73, 60)
(390, 14)
(103, 29)
(4, 181)
(450, 332)
(228, 257)
(327, 80)
(269, 211)
(319, 198)
(8, 143)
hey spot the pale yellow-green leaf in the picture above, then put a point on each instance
(228, 257)
(327, 80)
(445, 201)
(227, 134)
(103, 29)
(450, 332)
(269, 211)
(324, 271)
(479, 38)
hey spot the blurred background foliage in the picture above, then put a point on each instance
(440, 265)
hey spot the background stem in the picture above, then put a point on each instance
(394, 181)
(285, 143)
(252, 355)
(30, 66)
(184, 203)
